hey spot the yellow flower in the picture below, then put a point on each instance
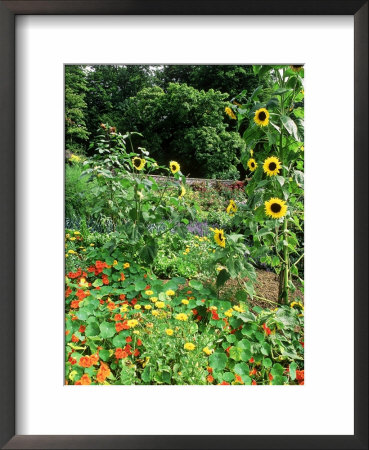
(126, 265)
(77, 233)
(230, 113)
(275, 208)
(252, 152)
(124, 308)
(160, 305)
(183, 191)
(136, 332)
(154, 299)
(302, 148)
(261, 117)
(182, 317)
(170, 292)
(138, 163)
(72, 252)
(252, 164)
(155, 312)
(169, 331)
(213, 308)
(75, 158)
(185, 302)
(228, 313)
(92, 245)
(137, 307)
(149, 292)
(207, 351)
(189, 346)
(300, 305)
(132, 323)
(272, 166)
(115, 262)
(238, 309)
(72, 238)
(232, 207)
(174, 167)
(83, 282)
(219, 237)
(148, 307)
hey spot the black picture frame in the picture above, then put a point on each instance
(8, 11)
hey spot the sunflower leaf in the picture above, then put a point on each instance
(290, 126)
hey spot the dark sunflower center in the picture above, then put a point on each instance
(272, 166)
(262, 116)
(137, 162)
(276, 207)
(252, 164)
(220, 237)
(173, 167)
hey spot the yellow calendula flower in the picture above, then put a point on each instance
(219, 237)
(238, 309)
(148, 292)
(132, 323)
(272, 166)
(169, 332)
(185, 301)
(230, 113)
(137, 307)
(160, 305)
(189, 346)
(207, 351)
(170, 292)
(154, 299)
(126, 265)
(275, 208)
(174, 167)
(148, 307)
(252, 164)
(182, 317)
(138, 163)
(261, 117)
(232, 207)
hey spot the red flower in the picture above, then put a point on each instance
(72, 360)
(139, 342)
(253, 383)
(82, 329)
(302, 343)
(270, 376)
(214, 315)
(266, 329)
(74, 338)
(122, 297)
(85, 361)
(74, 304)
(210, 369)
(194, 312)
(210, 378)
(300, 375)
(68, 292)
(120, 353)
(147, 287)
(128, 339)
(119, 326)
(105, 279)
(252, 372)
(224, 383)
(137, 352)
(122, 277)
(238, 379)
(251, 360)
(134, 301)
(118, 317)
(227, 350)
(82, 294)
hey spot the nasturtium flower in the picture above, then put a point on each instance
(85, 380)
(148, 292)
(272, 166)
(261, 117)
(138, 163)
(137, 307)
(72, 252)
(182, 317)
(275, 208)
(132, 323)
(238, 309)
(229, 312)
(169, 332)
(219, 237)
(185, 301)
(77, 233)
(126, 265)
(189, 346)
(174, 167)
(207, 351)
(148, 307)
(230, 113)
(252, 164)
(232, 207)
(170, 292)
(160, 305)
(154, 299)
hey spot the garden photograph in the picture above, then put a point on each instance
(184, 225)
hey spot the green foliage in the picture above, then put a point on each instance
(79, 197)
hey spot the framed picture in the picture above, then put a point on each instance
(43, 41)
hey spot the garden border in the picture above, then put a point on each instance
(8, 12)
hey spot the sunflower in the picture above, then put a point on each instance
(261, 117)
(183, 191)
(252, 164)
(219, 237)
(297, 68)
(138, 163)
(231, 208)
(230, 113)
(174, 167)
(275, 208)
(272, 166)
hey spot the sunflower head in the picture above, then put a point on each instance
(297, 68)
(138, 163)
(261, 117)
(174, 167)
(272, 166)
(252, 164)
(275, 208)
(230, 113)
(231, 208)
(219, 237)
